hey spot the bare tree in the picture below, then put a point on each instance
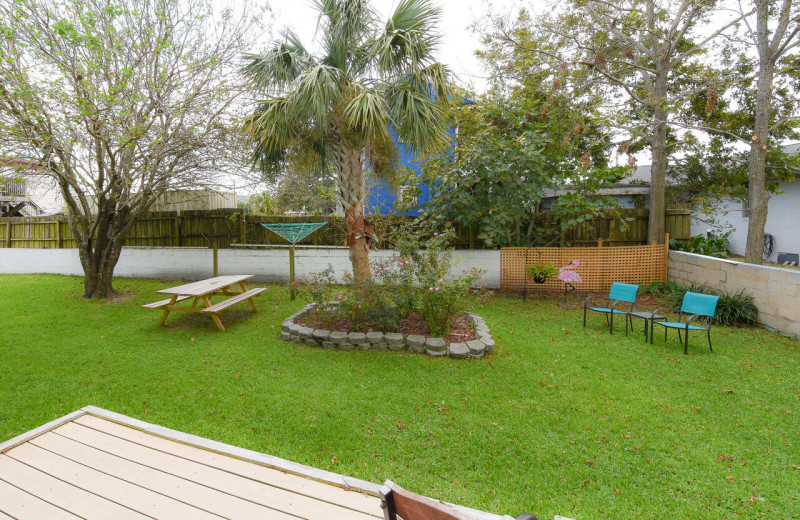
(118, 102)
(777, 24)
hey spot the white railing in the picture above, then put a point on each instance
(11, 188)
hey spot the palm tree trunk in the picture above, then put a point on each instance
(352, 193)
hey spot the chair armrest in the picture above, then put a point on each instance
(586, 301)
(652, 314)
(701, 316)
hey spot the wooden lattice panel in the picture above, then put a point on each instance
(599, 268)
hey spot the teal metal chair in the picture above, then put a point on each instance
(620, 294)
(695, 306)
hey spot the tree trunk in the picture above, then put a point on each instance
(352, 192)
(98, 271)
(757, 193)
(99, 250)
(656, 229)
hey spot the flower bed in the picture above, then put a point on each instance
(395, 341)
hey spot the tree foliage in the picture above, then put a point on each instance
(340, 105)
(509, 154)
(118, 102)
(641, 58)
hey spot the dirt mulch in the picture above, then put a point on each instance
(461, 331)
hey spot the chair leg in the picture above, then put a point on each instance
(686, 343)
(709, 339)
(611, 324)
(627, 319)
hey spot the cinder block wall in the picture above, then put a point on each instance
(775, 289)
(269, 265)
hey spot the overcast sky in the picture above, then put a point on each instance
(459, 43)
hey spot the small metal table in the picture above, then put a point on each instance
(648, 318)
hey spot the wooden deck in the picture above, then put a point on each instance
(96, 464)
(92, 467)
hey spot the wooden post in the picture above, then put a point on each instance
(177, 240)
(292, 288)
(59, 239)
(242, 229)
(8, 233)
(216, 262)
(599, 242)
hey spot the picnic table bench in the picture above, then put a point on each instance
(202, 291)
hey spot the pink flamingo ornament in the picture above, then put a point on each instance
(569, 277)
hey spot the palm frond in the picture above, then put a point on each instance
(368, 114)
(345, 25)
(409, 39)
(278, 67)
(433, 80)
(419, 120)
(272, 128)
(314, 93)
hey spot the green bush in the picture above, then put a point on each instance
(660, 288)
(415, 280)
(736, 307)
(703, 245)
(733, 307)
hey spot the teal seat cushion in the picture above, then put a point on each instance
(679, 325)
(606, 310)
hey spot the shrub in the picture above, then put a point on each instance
(660, 288)
(736, 307)
(320, 288)
(703, 245)
(415, 280)
(440, 297)
(732, 308)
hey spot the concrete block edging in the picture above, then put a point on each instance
(292, 332)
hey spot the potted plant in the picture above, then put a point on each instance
(540, 272)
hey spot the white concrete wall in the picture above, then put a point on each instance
(775, 289)
(783, 221)
(173, 263)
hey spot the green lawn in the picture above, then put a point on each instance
(559, 420)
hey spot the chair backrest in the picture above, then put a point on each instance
(697, 303)
(624, 292)
(410, 506)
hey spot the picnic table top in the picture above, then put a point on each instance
(203, 287)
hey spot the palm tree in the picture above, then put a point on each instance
(341, 107)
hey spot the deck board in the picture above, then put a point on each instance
(43, 496)
(113, 489)
(98, 467)
(354, 501)
(184, 490)
(25, 506)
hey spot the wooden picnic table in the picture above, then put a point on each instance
(201, 293)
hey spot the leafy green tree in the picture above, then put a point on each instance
(507, 156)
(638, 55)
(338, 107)
(118, 102)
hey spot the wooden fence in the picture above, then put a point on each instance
(226, 227)
(599, 266)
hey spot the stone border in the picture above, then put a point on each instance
(292, 332)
